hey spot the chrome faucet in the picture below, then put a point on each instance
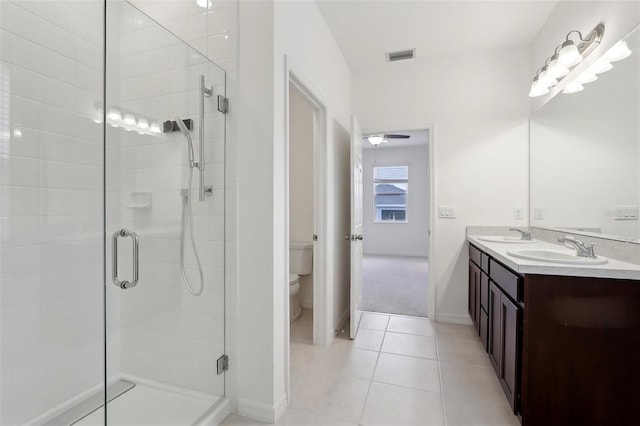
(582, 249)
(526, 235)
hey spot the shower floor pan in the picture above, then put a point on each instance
(137, 404)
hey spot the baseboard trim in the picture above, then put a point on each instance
(263, 412)
(454, 319)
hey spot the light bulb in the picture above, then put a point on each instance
(573, 87)
(545, 79)
(143, 124)
(556, 69)
(618, 51)
(129, 119)
(569, 54)
(17, 133)
(537, 89)
(600, 66)
(587, 77)
(155, 128)
(205, 4)
(114, 114)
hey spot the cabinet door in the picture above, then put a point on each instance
(474, 294)
(509, 352)
(495, 339)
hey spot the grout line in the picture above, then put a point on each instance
(366, 399)
(442, 401)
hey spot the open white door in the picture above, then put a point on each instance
(356, 225)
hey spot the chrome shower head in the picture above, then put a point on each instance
(186, 134)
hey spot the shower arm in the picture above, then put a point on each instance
(204, 91)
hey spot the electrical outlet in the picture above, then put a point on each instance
(538, 213)
(447, 212)
(517, 213)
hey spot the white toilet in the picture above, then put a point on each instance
(300, 263)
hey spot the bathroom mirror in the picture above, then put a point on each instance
(585, 155)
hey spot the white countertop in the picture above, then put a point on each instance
(612, 269)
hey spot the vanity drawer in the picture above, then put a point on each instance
(475, 255)
(506, 279)
(484, 262)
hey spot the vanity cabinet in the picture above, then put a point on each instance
(479, 293)
(566, 349)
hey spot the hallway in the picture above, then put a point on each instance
(398, 371)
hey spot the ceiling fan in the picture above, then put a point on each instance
(378, 138)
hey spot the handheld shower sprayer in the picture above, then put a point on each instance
(186, 134)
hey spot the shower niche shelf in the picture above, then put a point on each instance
(139, 200)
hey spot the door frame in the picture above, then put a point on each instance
(293, 76)
(431, 173)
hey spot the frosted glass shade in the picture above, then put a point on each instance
(569, 54)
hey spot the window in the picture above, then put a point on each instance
(390, 186)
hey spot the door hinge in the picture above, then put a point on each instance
(223, 364)
(315, 237)
(223, 104)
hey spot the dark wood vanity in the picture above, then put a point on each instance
(566, 349)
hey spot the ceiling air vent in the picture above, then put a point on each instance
(401, 55)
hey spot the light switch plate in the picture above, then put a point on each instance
(538, 213)
(447, 212)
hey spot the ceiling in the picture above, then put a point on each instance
(417, 138)
(367, 29)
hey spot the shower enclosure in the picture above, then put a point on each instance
(97, 325)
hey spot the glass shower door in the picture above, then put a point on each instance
(165, 141)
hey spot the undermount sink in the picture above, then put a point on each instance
(501, 239)
(557, 256)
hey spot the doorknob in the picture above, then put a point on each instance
(347, 237)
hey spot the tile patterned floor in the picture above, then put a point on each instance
(398, 371)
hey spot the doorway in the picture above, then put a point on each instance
(396, 206)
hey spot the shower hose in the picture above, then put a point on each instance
(187, 220)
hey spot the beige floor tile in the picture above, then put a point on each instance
(410, 344)
(471, 381)
(419, 373)
(374, 321)
(399, 406)
(295, 417)
(303, 355)
(336, 397)
(411, 325)
(236, 420)
(471, 412)
(368, 339)
(302, 329)
(343, 359)
(464, 351)
(456, 331)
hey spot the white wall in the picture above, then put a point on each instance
(301, 188)
(301, 33)
(618, 17)
(398, 239)
(479, 107)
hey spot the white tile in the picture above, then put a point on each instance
(470, 381)
(462, 351)
(343, 359)
(295, 417)
(374, 321)
(410, 344)
(419, 373)
(410, 325)
(470, 411)
(393, 405)
(333, 396)
(368, 339)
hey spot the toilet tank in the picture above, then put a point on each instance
(300, 257)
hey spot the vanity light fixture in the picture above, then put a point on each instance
(565, 57)
(587, 77)
(600, 66)
(573, 87)
(618, 51)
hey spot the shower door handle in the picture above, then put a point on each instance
(124, 284)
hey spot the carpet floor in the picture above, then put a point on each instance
(395, 285)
